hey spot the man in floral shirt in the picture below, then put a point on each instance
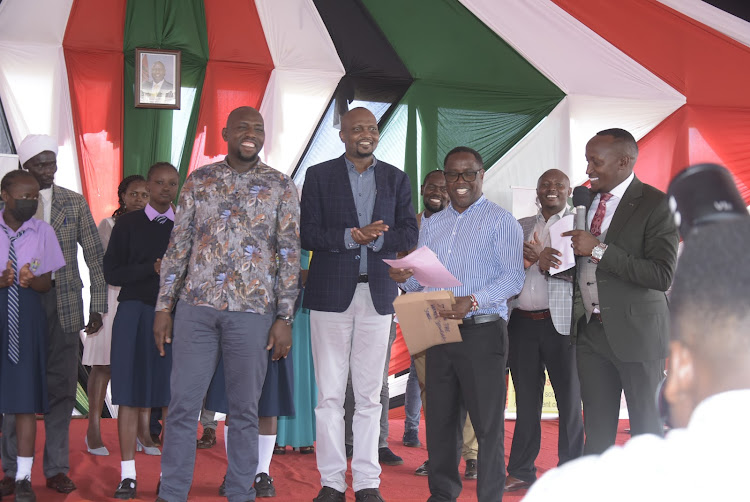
(230, 274)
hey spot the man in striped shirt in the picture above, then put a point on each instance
(481, 245)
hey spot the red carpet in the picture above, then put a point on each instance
(295, 475)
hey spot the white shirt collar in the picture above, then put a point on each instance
(619, 190)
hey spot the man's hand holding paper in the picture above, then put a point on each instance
(559, 256)
(426, 268)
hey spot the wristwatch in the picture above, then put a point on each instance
(286, 318)
(598, 252)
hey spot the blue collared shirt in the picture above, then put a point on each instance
(483, 248)
(364, 191)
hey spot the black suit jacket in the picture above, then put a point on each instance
(327, 209)
(635, 273)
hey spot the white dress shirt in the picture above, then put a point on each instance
(535, 294)
(617, 193)
(708, 460)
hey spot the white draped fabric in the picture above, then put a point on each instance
(605, 88)
(306, 71)
(34, 79)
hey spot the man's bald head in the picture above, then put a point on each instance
(241, 111)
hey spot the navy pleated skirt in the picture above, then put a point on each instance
(23, 386)
(277, 398)
(140, 376)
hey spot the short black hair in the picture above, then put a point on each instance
(465, 149)
(430, 174)
(624, 139)
(711, 292)
(12, 176)
(241, 109)
(158, 166)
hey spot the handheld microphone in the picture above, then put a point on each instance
(581, 201)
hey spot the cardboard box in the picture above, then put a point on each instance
(421, 325)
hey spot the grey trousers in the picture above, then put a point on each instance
(384, 399)
(201, 334)
(62, 380)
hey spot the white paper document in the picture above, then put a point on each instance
(562, 244)
(427, 269)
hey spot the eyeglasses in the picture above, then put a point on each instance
(468, 176)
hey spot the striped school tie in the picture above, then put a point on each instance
(13, 342)
(161, 219)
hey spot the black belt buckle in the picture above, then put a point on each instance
(480, 319)
(362, 278)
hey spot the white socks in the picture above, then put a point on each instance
(226, 439)
(127, 469)
(265, 453)
(265, 450)
(23, 468)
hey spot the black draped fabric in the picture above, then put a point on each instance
(375, 76)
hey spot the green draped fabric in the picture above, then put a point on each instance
(471, 88)
(152, 135)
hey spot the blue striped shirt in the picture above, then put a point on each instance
(483, 248)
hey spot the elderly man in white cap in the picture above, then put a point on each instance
(69, 215)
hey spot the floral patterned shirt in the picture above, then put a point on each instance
(235, 244)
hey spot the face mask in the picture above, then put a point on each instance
(25, 209)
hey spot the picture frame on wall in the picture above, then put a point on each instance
(157, 78)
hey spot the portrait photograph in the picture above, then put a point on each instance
(157, 78)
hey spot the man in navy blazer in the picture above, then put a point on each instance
(355, 211)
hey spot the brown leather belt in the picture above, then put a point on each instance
(536, 315)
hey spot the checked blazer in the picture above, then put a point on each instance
(327, 209)
(71, 218)
(559, 286)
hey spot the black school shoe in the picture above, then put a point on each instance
(264, 485)
(125, 490)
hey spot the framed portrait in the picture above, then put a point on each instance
(157, 78)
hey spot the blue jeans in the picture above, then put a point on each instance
(412, 401)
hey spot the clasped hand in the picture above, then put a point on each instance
(365, 235)
(25, 275)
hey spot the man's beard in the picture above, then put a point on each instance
(434, 209)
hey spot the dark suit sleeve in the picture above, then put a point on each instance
(88, 237)
(404, 234)
(118, 270)
(656, 268)
(314, 233)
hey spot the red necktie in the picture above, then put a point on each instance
(596, 223)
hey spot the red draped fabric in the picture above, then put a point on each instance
(709, 68)
(94, 59)
(400, 358)
(238, 70)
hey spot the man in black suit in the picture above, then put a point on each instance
(620, 315)
(355, 211)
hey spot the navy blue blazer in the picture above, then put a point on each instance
(327, 209)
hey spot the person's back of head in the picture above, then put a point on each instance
(710, 309)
